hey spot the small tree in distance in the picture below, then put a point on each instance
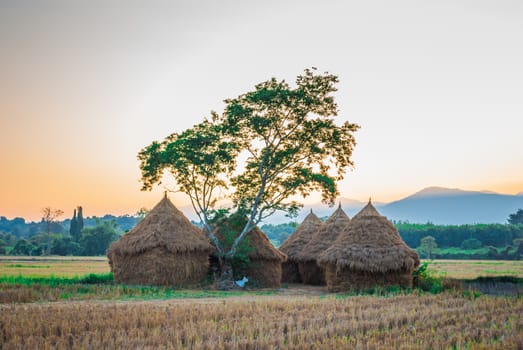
(428, 245)
(73, 228)
(49, 216)
(516, 218)
(287, 139)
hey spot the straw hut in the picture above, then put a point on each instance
(369, 252)
(310, 271)
(294, 244)
(264, 266)
(163, 249)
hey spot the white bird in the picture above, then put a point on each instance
(241, 283)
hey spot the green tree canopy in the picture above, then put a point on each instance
(428, 245)
(22, 247)
(95, 240)
(286, 138)
(516, 218)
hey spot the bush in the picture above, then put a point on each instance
(426, 280)
(471, 243)
(22, 247)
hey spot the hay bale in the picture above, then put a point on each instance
(163, 249)
(294, 245)
(369, 252)
(290, 272)
(342, 280)
(160, 267)
(264, 267)
(322, 239)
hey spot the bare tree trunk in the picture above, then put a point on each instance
(226, 280)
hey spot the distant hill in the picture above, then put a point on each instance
(350, 206)
(448, 206)
(439, 205)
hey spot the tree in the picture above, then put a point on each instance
(48, 218)
(428, 245)
(65, 246)
(95, 240)
(80, 220)
(3, 246)
(22, 247)
(471, 243)
(73, 228)
(516, 218)
(141, 213)
(288, 142)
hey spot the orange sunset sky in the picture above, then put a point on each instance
(437, 88)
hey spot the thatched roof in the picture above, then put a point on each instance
(164, 226)
(294, 244)
(370, 243)
(260, 246)
(324, 236)
(263, 248)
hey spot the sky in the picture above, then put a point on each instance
(436, 86)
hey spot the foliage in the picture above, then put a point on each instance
(279, 233)
(22, 247)
(516, 218)
(289, 142)
(3, 247)
(471, 243)
(65, 246)
(80, 220)
(497, 235)
(428, 245)
(74, 227)
(228, 226)
(427, 280)
(95, 240)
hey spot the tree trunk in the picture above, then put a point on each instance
(226, 279)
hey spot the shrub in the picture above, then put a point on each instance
(426, 280)
(471, 243)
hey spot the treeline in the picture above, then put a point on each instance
(277, 234)
(20, 228)
(92, 240)
(496, 235)
(480, 241)
(92, 237)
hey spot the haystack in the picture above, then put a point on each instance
(369, 252)
(163, 249)
(294, 244)
(264, 266)
(310, 271)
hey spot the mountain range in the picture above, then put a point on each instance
(438, 205)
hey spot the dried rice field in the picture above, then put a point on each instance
(291, 318)
(67, 266)
(469, 269)
(72, 266)
(410, 322)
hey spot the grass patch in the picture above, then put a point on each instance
(55, 281)
(12, 266)
(26, 289)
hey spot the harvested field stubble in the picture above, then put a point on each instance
(411, 321)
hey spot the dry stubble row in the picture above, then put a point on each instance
(412, 321)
